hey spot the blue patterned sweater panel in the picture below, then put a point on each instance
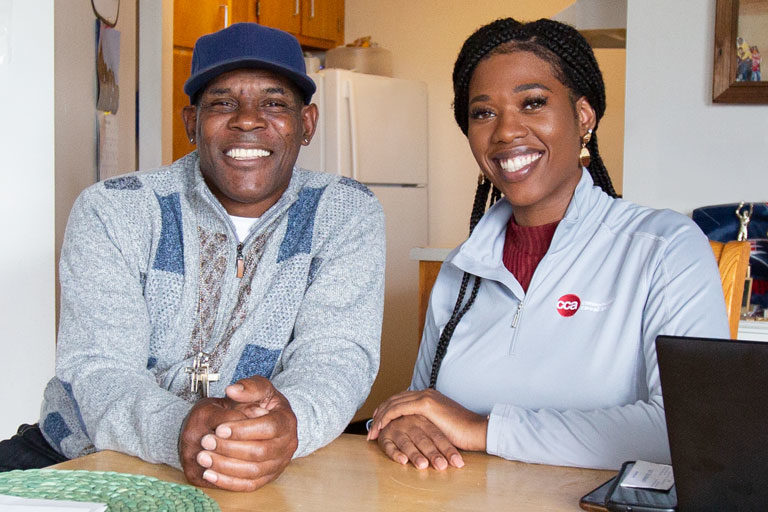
(301, 223)
(63, 426)
(255, 360)
(170, 249)
(165, 285)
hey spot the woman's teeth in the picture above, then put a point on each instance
(518, 162)
(246, 154)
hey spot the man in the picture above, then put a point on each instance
(228, 273)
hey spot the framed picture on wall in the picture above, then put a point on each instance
(741, 37)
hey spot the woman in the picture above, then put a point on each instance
(539, 339)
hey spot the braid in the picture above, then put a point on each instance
(597, 169)
(478, 206)
(569, 54)
(478, 209)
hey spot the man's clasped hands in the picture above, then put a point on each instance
(240, 442)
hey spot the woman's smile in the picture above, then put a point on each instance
(516, 167)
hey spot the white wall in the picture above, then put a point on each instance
(681, 150)
(47, 156)
(26, 209)
(155, 82)
(75, 107)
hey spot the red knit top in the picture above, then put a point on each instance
(524, 247)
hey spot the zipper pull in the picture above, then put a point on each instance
(517, 314)
(240, 262)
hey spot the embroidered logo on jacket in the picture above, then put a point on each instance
(568, 305)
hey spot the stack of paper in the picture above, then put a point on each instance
(16, 504)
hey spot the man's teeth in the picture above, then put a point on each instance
(245, 154)
(518, 162)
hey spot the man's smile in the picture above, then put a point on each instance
(247, 153)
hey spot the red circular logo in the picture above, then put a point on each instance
(568, 305)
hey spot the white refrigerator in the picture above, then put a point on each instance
(374, 129)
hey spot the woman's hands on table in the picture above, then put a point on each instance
(426, 427)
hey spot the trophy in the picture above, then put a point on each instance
(745, 214)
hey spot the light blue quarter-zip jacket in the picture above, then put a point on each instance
(568, 370)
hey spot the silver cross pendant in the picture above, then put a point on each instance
(200, 375)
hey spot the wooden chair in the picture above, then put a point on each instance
(732, 261)
(428, 271)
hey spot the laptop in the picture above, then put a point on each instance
(716, 404)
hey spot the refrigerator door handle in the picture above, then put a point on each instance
(350, 97)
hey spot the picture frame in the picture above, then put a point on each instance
(725, 86)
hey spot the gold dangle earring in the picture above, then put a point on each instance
(584, 155)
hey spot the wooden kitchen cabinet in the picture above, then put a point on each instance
(282, 14)
(317, 24)
(182, 65)
(194, 18)
(323, 19)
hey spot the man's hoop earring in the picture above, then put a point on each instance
(584, 155)
(306, 140)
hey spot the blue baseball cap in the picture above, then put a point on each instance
(248, 45)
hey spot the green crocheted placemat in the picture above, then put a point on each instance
(120, 491)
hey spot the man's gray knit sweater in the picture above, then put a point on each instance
(148, 279)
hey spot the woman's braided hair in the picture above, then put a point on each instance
(478, 209)
(573, 63)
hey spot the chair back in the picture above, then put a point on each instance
(732, 261)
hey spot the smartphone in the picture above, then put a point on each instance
(594, 500)
(631, 499)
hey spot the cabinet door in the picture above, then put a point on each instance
(282, 14)
(194, 18)
(245, 10)
(182, 64)
(323, 19)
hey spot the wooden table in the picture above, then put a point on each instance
(352, 474)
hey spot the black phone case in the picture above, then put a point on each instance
(594, 500)
(619, 506)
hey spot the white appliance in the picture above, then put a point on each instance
(374, 129)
